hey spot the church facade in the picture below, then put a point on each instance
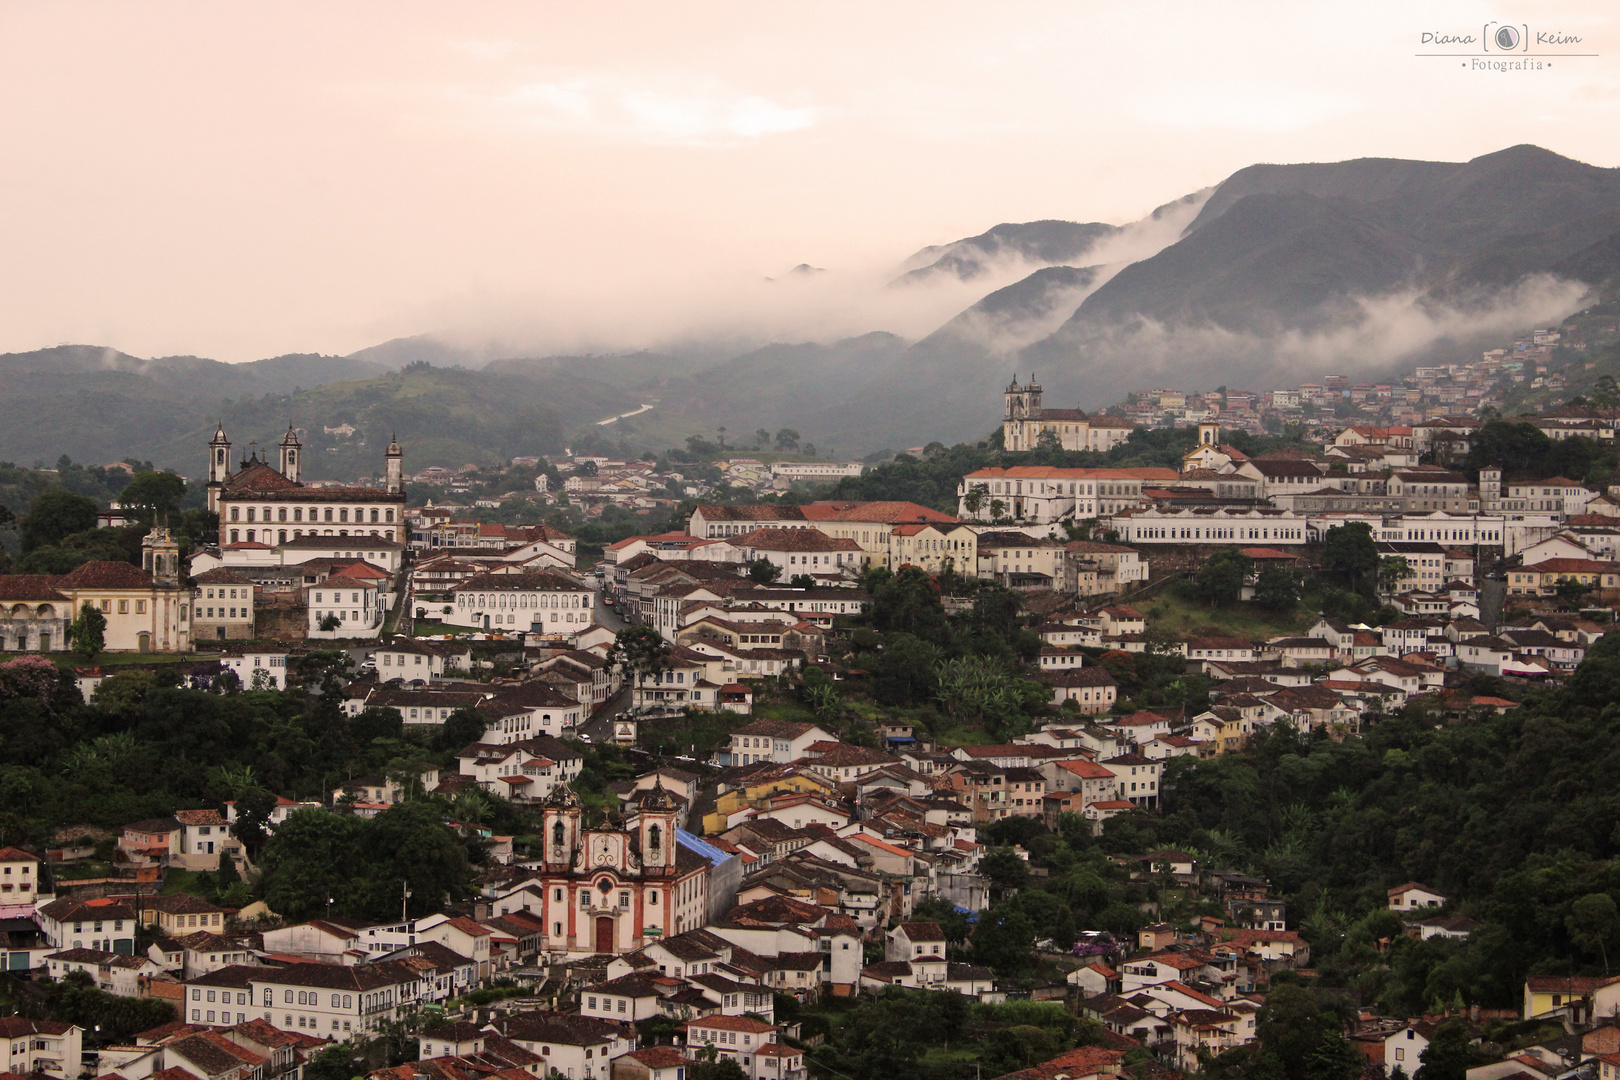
(146, 607)
(258, 503)
(612, 890)
(1026, 420)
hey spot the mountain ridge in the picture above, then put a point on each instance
(1278, 271)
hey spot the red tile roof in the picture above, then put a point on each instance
(104, 574)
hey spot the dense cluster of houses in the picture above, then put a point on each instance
(1431, 392)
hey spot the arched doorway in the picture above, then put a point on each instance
(604, 935)
(143, 642)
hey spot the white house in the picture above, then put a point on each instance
(1412, 896)
(41, 1046)
(544, 603)
(258, 669)
(344, 607)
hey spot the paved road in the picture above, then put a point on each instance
(605, 614)
(601, 728)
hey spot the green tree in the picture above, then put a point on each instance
(640, 652)
(908, 602)
(1222, 576)
(1006, 872)
(1571, 592)
(1289, 1026)
(1392, 570)
(1592, 922)
(973, 501)
(763, 571)
(333, 1063)
(226, 874)
(54, 515)
(1450, 1054)
(156, 494)
(1017, 1047)
(801, 581)
(1350, 553)
(787, 439)
(823, 698)
(719, 1068)
(1277, 588)
(89, 631)
(461, 728)
(312, 857)
(1004, 941)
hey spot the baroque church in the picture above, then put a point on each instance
(261, 504)
(612, 890)
(147, 608)
(1026, 420)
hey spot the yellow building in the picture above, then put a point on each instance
(783, 780)
(146, 607)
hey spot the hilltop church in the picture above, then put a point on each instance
(1025, 421)
(258, 504)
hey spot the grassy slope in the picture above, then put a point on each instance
(1190, 618)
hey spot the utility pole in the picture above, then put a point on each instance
(404, 895)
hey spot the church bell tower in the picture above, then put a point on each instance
(219, 466)
(160, 557)
(655, 829)
(394, 462)
(291, 454)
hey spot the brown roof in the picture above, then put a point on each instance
(15, 1027)
(29, 587)
(754, 512)
(104, 574)
(199, 817)
(527, 582)
(793, 540)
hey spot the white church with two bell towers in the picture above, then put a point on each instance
(269, 505)
(1026, 420)
(611, 889)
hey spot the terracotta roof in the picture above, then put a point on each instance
(104, 574)
(792, 540)
(750, 512)
(29, 587)
(527, 582)
(658, 1057)
(889, 513)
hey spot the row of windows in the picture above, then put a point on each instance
(314, 514)
(123, 607)
(522, 600)
(281, 536)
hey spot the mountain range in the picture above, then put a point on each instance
(1278, 272)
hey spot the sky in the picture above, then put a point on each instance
(249, 179)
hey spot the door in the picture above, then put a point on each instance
(486, 622)
(604, 935)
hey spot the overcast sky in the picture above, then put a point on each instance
(241, 180)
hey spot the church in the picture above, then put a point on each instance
(261, 504)
(611, 890)
(1025, 421)
(147, 608)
